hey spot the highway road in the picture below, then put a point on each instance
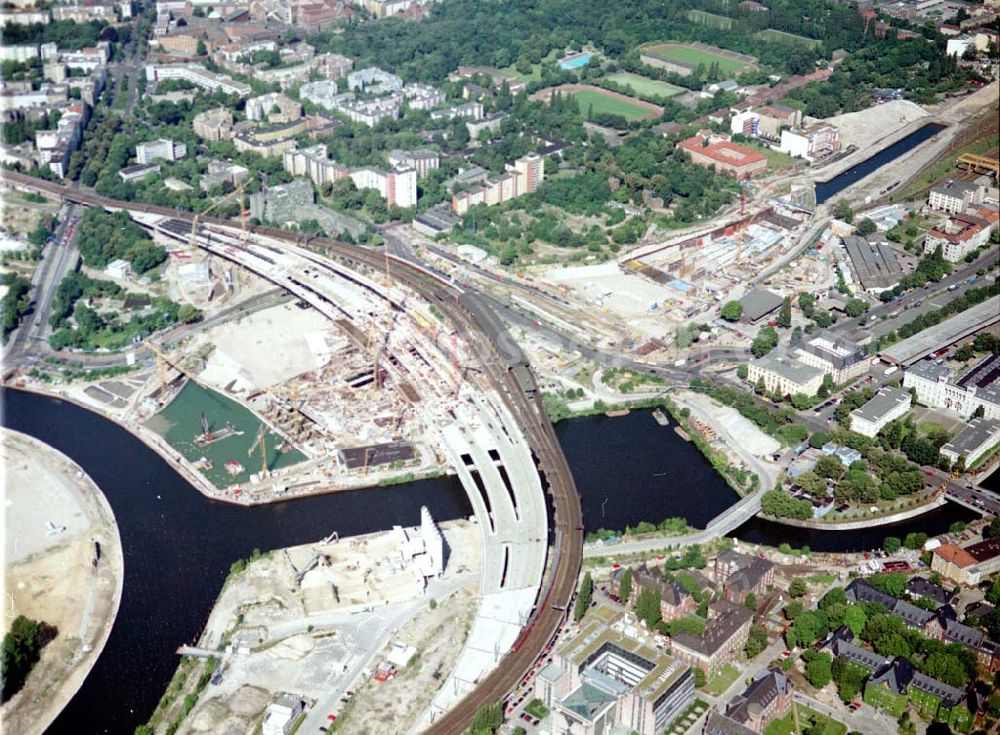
(525, 405)
(59, 257)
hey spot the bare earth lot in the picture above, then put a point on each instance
(49, 573)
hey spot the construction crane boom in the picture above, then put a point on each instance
(260, 444)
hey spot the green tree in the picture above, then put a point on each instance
(892, 544)
(583, 597)
(742, 371)
(818, 670)
(842, 211)
(855, 618)
(855, 307)
(699, 677)
(732, 311)
(756, 641)
(765, 341)
(647, 607)
(785, 313)
(798, 587)
(22, 646)
(625, 585)
(201, 49)
(866, 227)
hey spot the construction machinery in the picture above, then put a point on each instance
(238, 191)
(260, 444)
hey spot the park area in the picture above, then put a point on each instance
(729, 62)
(596, 101)
(645, 87)
(810, 721)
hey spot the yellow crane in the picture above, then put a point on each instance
(161, 366)
(260, 444)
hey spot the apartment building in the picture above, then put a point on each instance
(214, 125)
(398, 187)
(274, 107)
(954, 197)
(160, 150)
(315, 163)
(958, 236)
(423, 161)
(523, 177)
(199, 76)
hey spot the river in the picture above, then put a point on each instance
(828, 189)
(178, 545)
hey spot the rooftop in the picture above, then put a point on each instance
(788, 367)
(979, 432)
(874, 262)
(884, 402)
(759, 303)
(945, 333)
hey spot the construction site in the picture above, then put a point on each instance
(340, 615)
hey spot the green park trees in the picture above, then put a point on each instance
(583, 597)
(732, 311)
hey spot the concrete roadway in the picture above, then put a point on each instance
(58, 259)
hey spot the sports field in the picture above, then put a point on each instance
(645, 87)
(595, 101)
(729, 62)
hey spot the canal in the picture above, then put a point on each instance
(178, 545)
(827, 189)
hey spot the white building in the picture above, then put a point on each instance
(398, 187)
(373, 81)
(975, 440)
(524, 177)
(953, 198)
(937, 386)
(197, 75)
(162, 150)
(811, 143)
(785, 375)
(887, 405)
(274, 107)
(282, 714)
(423, 96)
(841, 358)
(423, 161)
(422, 548)
(958, 236)
(315, 163)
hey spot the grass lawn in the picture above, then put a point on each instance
(808, 718)
(597, 103)
(775, 159)
(687, 718)
(536, 73)
(722, 681)
(537, 708)
(822, 578)
(688, 55)
(645, 87)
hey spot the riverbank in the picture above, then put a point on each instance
(64, 566)
(298, 487)
(882, 520)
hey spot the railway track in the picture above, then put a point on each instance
(525, 405)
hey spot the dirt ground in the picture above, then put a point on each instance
(18, 216)
(51, 576)
(437, 634)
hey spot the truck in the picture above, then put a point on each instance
(891, 369)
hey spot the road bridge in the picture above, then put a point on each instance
(516, 390)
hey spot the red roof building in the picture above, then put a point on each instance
(727, 157)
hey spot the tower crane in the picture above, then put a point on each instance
(260, 445)
(238, 191)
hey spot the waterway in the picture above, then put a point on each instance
(828, 189)
(178, 545)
